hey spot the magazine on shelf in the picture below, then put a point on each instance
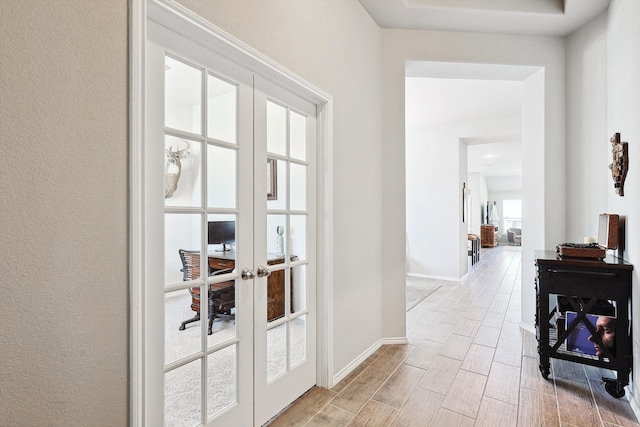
(578, 339)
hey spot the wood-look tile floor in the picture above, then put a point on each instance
(467, 363)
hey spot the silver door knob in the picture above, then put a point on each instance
(248, 273)
(263, 271)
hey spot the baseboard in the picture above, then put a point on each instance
(429, 276)
(632, 402)
(355, 363)
(528, 328)
(368, 352)
(395, 340)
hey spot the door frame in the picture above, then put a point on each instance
(184, 21)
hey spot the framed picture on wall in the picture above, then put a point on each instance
(272, 179)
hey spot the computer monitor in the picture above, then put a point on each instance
(222, 233)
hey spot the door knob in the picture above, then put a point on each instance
(248, 273)
(263, 271)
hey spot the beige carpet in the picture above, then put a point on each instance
(182, 385)
(419, 288)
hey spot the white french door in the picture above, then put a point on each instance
(230, 203)
(285, 335)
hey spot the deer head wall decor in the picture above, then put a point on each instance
(173, 168)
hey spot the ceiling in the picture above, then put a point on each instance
(531, 17)
(490, 152)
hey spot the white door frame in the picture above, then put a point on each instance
(177, 17)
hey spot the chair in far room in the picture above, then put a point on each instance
(514, 236)
(221, 296)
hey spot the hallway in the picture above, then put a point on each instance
(467, 363)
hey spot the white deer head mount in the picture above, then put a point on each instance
(174, 167)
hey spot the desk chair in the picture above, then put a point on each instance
(221, 296)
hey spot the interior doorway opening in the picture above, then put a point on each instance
(438, 150)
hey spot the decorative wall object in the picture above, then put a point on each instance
(620, 163)
(173, 167)
(272, 179)
(464, 201)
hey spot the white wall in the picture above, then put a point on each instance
(336, 47)
(433, 211)
(623, 111)
(603, 91)
(588, 148)
(478, 188)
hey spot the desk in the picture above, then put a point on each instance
(275, 282)
(583, 283)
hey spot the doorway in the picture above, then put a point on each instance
(235, 156)
(473, 132)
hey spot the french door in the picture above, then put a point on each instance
(230, 197)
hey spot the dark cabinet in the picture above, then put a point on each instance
(591, 292)
(488, 236)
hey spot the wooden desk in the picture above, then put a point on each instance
(275, 282)
(584, 282)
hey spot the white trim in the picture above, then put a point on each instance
(363, 356)
(632, 401)
(228, 46)
(430, 276)
(395, 341)
(137, 40)
(528, 328)
(234, 49)
(324, 300)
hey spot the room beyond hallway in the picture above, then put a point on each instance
(468, 363)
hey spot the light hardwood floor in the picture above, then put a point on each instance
(467, 363)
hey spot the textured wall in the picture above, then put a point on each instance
(63, 215)
(623, 111)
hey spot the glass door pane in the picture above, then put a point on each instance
(202, 344)
(283, 328)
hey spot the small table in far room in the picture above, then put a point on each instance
(474, 250)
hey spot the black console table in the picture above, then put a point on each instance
(584, 285)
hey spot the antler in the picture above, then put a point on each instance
(177, 154)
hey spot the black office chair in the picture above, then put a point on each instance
(221, 296)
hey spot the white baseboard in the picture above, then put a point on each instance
(632, 401)
(395, 340)
(368, 352)
(355, 363)
(430, 276)
(528, 328)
